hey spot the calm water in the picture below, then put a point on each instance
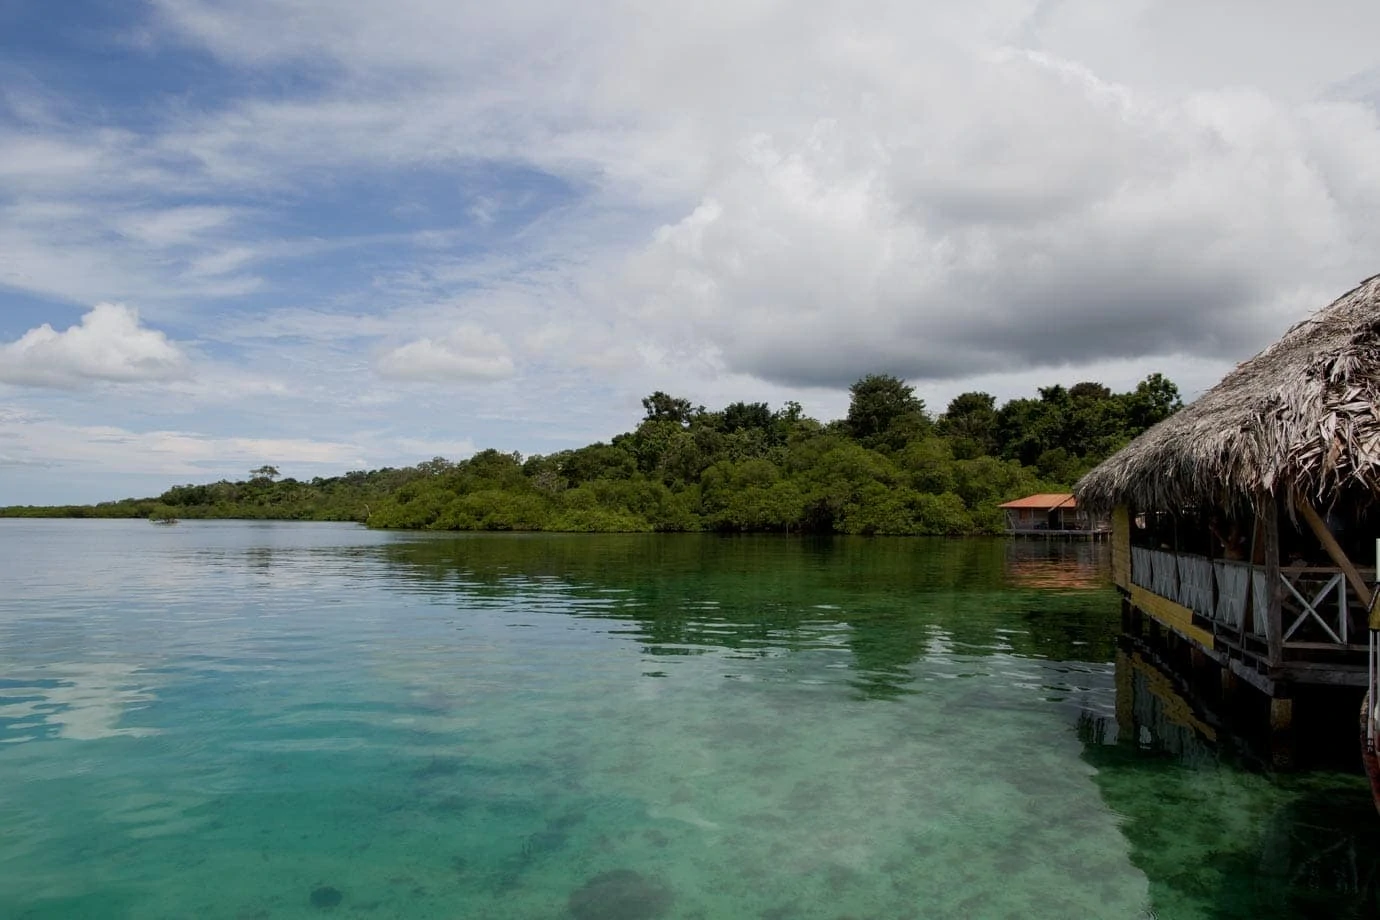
(278, 721)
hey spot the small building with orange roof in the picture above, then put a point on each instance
(1051, 514)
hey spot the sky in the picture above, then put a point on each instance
(344, 235)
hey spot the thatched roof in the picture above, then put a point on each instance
(1303, 414)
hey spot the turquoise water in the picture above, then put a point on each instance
(293, 721)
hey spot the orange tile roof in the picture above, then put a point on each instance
(1046, 500)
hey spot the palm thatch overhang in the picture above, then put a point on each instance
(1302, 418)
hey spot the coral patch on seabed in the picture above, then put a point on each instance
(325, 897)
(620, 894)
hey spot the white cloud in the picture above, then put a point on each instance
(109, 345)
(78, 245)
(320, 326)
(176, 226)
(467, 354)
(41, 158)
(221, 262)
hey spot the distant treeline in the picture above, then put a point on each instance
(889, 467)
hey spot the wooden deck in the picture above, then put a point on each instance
(1044, 533)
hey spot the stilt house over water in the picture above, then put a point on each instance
(1246, 523)
(1052, 514)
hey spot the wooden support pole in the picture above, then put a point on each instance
(1281, 714)
(1282, 732)
(1230, 683)
(1197, 661)
(1334, 549)
(1249, 615)
(1274, 626)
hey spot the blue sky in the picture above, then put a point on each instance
(339, 236)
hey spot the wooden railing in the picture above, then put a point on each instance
(1260, 599)
(1315, 602)
(1317, 606)
(1196, 585)
(1233, 588)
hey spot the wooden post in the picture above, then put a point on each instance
(1274, 626)
(1282, 732)
(1334, 549)
(1373, 614)
(1257, 556)
(1198, 666)
(1230, 683)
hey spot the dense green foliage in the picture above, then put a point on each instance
(888, 468)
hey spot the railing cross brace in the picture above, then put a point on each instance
(1310, 609)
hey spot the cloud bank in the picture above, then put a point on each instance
(938, 190)
(466, 223)
(109, 345)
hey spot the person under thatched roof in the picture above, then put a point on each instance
(1303, 416)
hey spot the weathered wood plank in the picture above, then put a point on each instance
(1306, 666)
(1324, 647)
(1251, 676)
(1334, 675)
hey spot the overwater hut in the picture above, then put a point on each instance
(1246, 523)
(1052, 514)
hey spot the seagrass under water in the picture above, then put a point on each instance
(297, 721)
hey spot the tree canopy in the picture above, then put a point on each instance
(888, 467)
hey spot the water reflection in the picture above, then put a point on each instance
(1152, 713)
(1214, 833)
(1051, 566)
(891, 603)
(78, 701)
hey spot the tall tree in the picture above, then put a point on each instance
(1089, 390)
(971, 421)
(885, 412)
(1025, 429)
(740, 415)
(1155, 399)
(663, 407)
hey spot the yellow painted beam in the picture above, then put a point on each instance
(1176, 616)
